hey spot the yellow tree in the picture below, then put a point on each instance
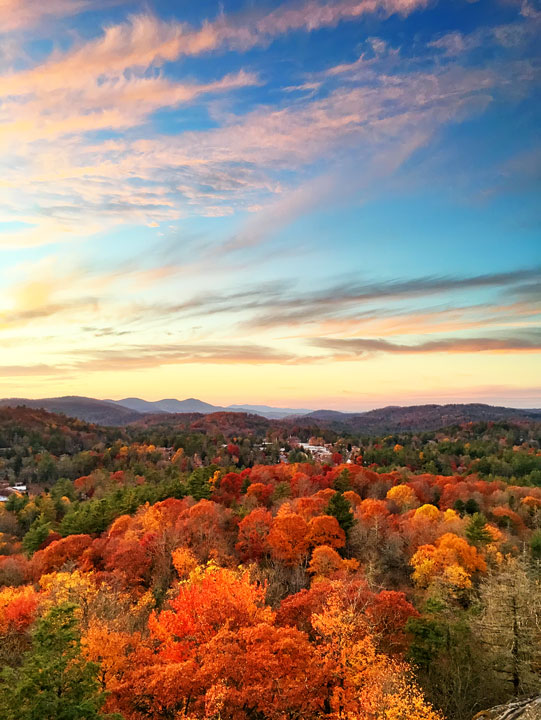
(363, 683)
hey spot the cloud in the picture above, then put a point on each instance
(240, 163)
(66, 182)
(392, 307)
(279, 303)
(356, 348)
(118, 103)
(149, 356)
(19, 318)
(22, 14)
(29, 370)
(145, 41)
(510, 35)
(300, 308)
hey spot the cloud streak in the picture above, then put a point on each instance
(284, 306)
(354, 348)
(149, 356)
(39, 370)
(23, 14)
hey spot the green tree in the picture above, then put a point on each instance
(54, 682)
(343, 481)
(340, 508)
(198, 485)
(477, 531)
(36, 535)
(46, 469)
(472, 506)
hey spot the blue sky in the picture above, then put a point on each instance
(316, 203)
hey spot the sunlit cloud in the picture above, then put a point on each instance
(20, 14)
(159, 176)
(359, 347)
(151, 356)
(39, 370)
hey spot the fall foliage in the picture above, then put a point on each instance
(187, 580)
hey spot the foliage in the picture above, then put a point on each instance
(187, 569)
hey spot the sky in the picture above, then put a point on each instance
(305, 203)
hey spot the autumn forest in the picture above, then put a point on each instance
(213, 569)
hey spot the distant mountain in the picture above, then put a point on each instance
(267, 411)
(90, 410)
(167, 406)
(192, 405)
(385, 420)
(331, 415)
(137, 405)
(129, 410)
(395, 418)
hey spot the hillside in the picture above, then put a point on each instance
(227, 423)
(221, 540)
(417, 417)
(44, 430)
(90, 410)
(262, 418)
(190, 556)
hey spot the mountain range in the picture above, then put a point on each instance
(191, 405)
(380, 421)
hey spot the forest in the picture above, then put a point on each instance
(220, 568)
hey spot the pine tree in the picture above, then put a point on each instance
(343, 481)
(36, 535)
(198, 485)
(476, 530)
(340, 508)
(54, 682)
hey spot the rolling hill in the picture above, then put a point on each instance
(417, 417)
(373, 422)
(90, 410)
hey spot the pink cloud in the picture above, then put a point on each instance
(144, 40)
(113, 104)
(21, 14)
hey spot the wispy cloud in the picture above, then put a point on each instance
(179, 157)
(39, 370)
(354, 348)
(20, 14)
(65, 182)
(330, 302)
(149, 356)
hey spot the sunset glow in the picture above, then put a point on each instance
(313, 204)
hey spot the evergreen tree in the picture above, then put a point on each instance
(340, 508)
(459, 507)
(343, 481)
(36, 535)
(472, 506)
(54, 681)
(198, 485)
(476, 530)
